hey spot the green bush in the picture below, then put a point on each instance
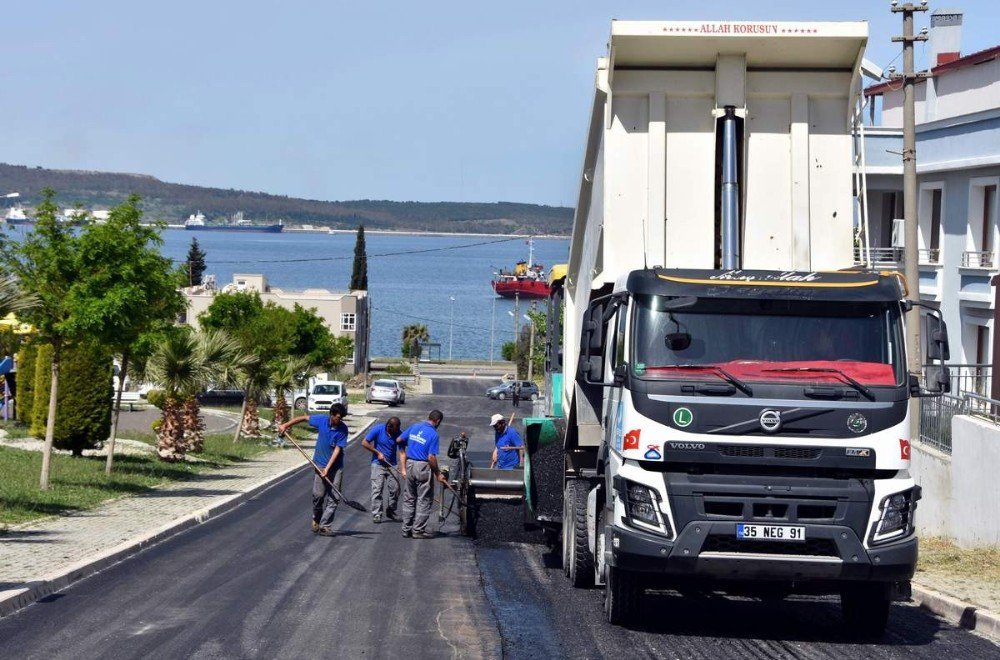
(40, 391)
(25, 382)
(83, 420)
(156, 398)
(401, 368)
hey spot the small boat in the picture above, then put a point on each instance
(526, 280)
(196, 222)
(17, 216)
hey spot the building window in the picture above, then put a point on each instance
(982, 225)
(348, 322)
(930, 223)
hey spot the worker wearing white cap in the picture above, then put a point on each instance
(509, 446)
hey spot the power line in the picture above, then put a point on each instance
(421, 318)
(368, 256)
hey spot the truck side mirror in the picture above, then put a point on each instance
(591, 369)
(591, 366)
(938, 379)
(621, 373)
(936, 339)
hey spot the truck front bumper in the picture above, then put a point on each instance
(711, 549)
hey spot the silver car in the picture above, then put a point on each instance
(387, 391)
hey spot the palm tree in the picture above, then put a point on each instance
(413, 336)
(284, 377)
(253, 380)
(220, 357)
(12, 298)
(175, 366)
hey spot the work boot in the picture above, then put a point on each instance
(422, 535)
(376, 519)
(324, 531)
(392, 515)
(315, 526)
(407, 535)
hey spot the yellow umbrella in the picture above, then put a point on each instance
(11, 322)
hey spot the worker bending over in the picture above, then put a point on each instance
(509, 448)
(420, 442)
(381, 442)
(328, 457)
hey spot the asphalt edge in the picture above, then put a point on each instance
(35, 591)
(959, 612)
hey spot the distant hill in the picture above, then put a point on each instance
(174, 202)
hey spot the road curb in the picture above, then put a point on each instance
(16, 599)
(959, 612)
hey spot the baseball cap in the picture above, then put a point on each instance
(495, 419)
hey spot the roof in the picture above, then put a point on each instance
(797, 45)
(964, 62)
(841, 286)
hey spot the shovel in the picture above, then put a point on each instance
(351, 503)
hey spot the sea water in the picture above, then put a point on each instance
(412, 278)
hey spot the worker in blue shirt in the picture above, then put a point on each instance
(509, 446)
(329, 460)
(421, 443)
(381, 442)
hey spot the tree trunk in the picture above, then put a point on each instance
(243, 412)
(116, 412)
(251, 420)
(50, 424)
(170, 442)
(194, 427)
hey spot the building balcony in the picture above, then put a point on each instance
(893, 257)
(978, 259)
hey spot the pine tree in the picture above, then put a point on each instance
(195, 264)
(359, 274)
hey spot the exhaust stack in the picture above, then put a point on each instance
(730, 192)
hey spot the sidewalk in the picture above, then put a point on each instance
(41, 557)
(959, 584)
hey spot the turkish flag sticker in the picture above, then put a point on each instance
(632, 439)
(904, 449)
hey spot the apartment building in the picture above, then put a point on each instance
(958, 173)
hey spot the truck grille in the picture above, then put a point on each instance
(752, 451)
(797, 452)
(811, 547)
(741, 451)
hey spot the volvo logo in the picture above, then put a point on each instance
(770, 420)
(695, 446)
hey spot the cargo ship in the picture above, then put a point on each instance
(17, 216)
(197, 222)
(526, 280)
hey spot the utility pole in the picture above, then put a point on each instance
(517, 319)
(451, 327)
(911, 263)
(531, 345)
(493, 322)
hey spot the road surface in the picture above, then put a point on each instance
(256, 583)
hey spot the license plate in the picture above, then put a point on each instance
(770, 532)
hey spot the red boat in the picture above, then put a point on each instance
(527, 280)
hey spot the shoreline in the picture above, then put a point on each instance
(397, 232)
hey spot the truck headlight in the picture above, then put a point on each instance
(896, 520)
(642, 509)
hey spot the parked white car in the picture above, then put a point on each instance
(388, 391)
(326, 393)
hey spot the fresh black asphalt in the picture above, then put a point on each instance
(256, 583)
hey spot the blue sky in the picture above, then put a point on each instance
(425, 101)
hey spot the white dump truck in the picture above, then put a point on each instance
(730, 396)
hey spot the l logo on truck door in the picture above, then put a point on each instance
(770, 420)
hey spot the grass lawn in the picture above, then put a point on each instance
(938, 555)
(80, 483)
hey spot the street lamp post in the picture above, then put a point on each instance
(531, 345)
(493, 322)
(451, 327)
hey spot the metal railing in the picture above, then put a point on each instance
(971, 379)
(982, 407)
(977, 259)
(929, 256)
(935, 419)
(880, 256)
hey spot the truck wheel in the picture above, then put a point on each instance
(865, 607)
(580, 562)
(621, 596)
(300, 403)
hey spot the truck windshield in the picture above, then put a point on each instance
(769, 340)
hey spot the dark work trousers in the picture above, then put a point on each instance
(324, 501)
(418, 496)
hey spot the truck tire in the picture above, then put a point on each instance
(865, 607)
(579, 565)
(621, 596)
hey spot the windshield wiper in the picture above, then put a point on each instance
(830, 370)
(720, 372)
